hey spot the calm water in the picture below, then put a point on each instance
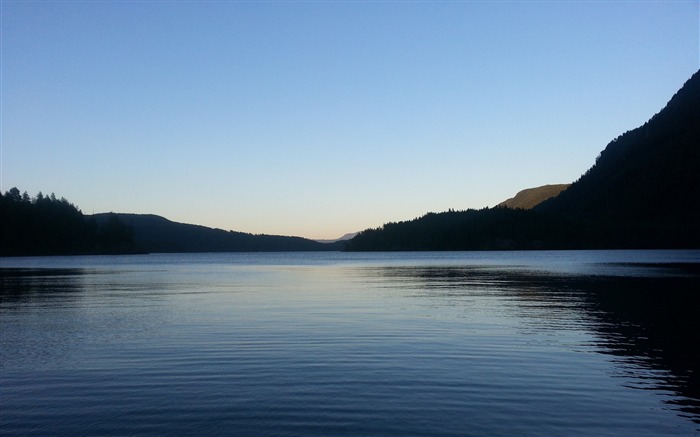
(464, 344)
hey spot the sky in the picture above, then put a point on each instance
(318, 119)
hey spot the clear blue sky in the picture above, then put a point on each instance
(321, 118)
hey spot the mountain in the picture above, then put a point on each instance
(643, 189)
(345, 237)
(642, 192)
(531, 197)
(153, 233)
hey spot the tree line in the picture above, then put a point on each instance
(498, 228)
(47, 225)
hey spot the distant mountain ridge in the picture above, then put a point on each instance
(531, 197)
(641, 192)
(154, 233)
(345, 237)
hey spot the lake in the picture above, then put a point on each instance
(551, 343)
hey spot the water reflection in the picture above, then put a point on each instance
(57, 317)
(25, 294)
(22, 283)
(442, 349)
(653, 323)
(643, 315)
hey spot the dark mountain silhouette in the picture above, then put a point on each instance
(641, 193)
(45, 225)
(153, 233)
(643, 189)
(531, 197)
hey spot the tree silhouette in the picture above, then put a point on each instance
(46, 225)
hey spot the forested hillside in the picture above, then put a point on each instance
(643, 189)
(531, 197)
(485, 229)
(153, 233)
(45, 225)
(642, 192)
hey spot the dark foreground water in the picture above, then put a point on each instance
(463, 344)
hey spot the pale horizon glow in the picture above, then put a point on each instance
(318, 119)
